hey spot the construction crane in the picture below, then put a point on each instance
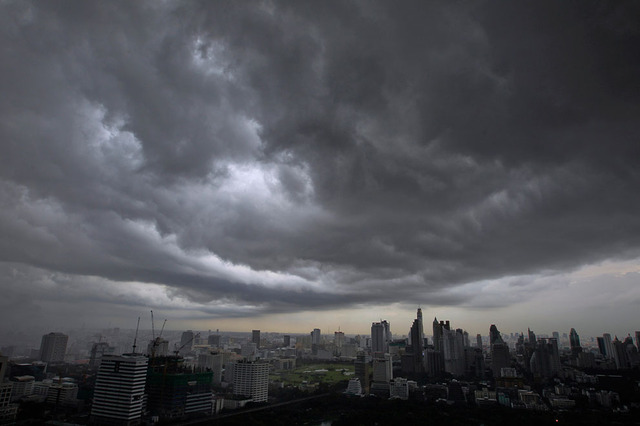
(156, 340)
(177, 351)
(135, 338)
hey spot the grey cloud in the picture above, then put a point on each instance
(354, 146)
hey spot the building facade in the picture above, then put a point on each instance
(120, 390)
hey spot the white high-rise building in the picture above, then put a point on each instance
(119, 391)
(251, 379)
(382, 369)
(53, 347)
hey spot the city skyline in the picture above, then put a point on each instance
(289, 166)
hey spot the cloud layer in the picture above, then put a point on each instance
(276, 157)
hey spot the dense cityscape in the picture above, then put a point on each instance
(115, 376)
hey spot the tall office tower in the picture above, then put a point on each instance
(601, 346)
(186, 342)
(500, 358)
(251, 379)
(388, 338)
(574, 340)
(287, 341)
(53, 347)
(377, 338)
(255, 338)
(520, 346)
(338, 339)
(474, 362)
(494, 335)
(555, 351)
(119, 391)
(638, 340)
(453, 352)
(213, 361)
(465, 335)
(98, 350)
(315, 336)
(619, 354)
(214, 340)
(433, 363)
(608, 345)
(382, 374)
(362, 371)
(532, 338)
(419, 318)
(556, 335)
(633, 356)
(438, 328)
(382, 368)
(545, 360)
(479, 340)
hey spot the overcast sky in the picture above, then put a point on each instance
(286, 165)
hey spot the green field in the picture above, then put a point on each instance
(314, 373)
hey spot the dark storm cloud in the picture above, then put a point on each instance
(293, 156)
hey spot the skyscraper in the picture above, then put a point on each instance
(119, 390)
(574, 340)
(608, 345)
(186, 341)
(315, 336)
(378, 338)
(53, 347)
(453, 352)
(362, 371)
(251, 379)
(479, 340)
(421, 327)
(255, 338)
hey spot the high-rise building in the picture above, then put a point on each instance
(338, 339)
(119, 391)
(382, 369)
(98, 350)
(287, 341)
(316, 336)
(214, 340)
(53, 347)
(574, 340)
(175, 390)
(362, 371)
(186, 341)
(453, 352)
(638, 340)
(251, 379)
(479, 341)
(421, 327)
(494, 335)
(255, 338)
(608, 345)
(213, 362)
(382, 374)
(601, 346)
(438, 328)
(378, 338)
